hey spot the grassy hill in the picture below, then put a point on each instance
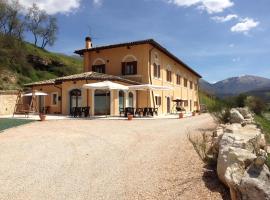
(211, 102)
(22, 62)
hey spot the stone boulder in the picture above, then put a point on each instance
(234, 149)
(255, 183)
(244, 112)
(235, 116)
(242, 153)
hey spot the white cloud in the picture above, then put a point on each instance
(231, 45)
(53, 6)
(211, 6)
(245, 25)
(224, 19)
(97, 2)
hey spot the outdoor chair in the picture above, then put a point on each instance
(86, 111)
(156, 111)
(139, 112)
(77, 112)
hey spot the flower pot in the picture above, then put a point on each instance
(42, 117)
(181, 115)
(193, 113)
(130, 117)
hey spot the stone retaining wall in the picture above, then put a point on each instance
(241, 152)
(7, 101)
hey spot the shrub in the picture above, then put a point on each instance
(255, 104)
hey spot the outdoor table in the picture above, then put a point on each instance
(129, 110)
(79, 111)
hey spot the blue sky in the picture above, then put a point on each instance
(217, 38)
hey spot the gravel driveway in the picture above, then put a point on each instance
(103, 159)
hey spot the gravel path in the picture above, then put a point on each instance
(104, 159)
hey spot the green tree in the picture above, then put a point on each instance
(48, 33)
(35, 18)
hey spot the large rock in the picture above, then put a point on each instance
(236, 116)
(244, 112)
(241, 162)
(234, 148)
(255, 183)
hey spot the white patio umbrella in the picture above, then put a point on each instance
(35, 93)
(105, 85)
(150, 87)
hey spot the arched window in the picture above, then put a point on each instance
(121, 100)
(75, 97)
(129, 65)
(130, 99)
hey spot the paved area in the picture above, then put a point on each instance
(104, 159)
(66, 117)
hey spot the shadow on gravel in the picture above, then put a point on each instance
(212, 182)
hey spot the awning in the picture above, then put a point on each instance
(150, 87)
(105, 85)
(35, 94)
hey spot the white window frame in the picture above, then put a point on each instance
(56, 99)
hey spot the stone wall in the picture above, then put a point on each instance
(241, 152)
(7, 101)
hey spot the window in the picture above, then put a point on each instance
(54, 100)
(156, 70)
(98, 68)
(158, 100)
(130, 99)
(191, 85)
(186, 103)
(121, 100)
(185, 82)
(169, 75)
(196, 86)
(195, 103)
(178, 79)
(129, 68)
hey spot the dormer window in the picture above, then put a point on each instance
(98, 68)
(129, 68)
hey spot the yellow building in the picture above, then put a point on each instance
(133, 63)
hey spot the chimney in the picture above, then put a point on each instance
(88, 43)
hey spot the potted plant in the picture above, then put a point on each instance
(130, 116)
(42, 116)
(193, 113)
(181, 115)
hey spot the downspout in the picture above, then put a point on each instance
(150, 73)
(61, 97)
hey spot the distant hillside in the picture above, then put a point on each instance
(22, 62)
(263, 93)
(237, 85)
(207, 87)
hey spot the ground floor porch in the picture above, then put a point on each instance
(67, 95)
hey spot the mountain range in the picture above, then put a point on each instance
(236, 85)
